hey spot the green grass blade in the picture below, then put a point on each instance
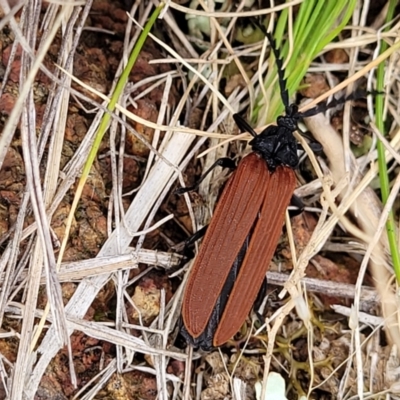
(383, 172)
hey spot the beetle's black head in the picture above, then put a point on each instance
(287, 122)
(292, 111)
(291, 119)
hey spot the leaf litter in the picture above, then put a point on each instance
(122, 290)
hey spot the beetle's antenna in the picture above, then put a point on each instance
(281, 72)
(322, 107)
(279, 65)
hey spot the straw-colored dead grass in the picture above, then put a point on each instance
(331, 328)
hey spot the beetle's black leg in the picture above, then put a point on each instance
(260, 298)
(244, 125)
(296, 202)
(185, 246)
(315, 146)
(224, 162)
(196, 236)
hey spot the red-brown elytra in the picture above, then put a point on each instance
(243, 234)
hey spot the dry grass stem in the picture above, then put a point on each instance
(174, 119)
